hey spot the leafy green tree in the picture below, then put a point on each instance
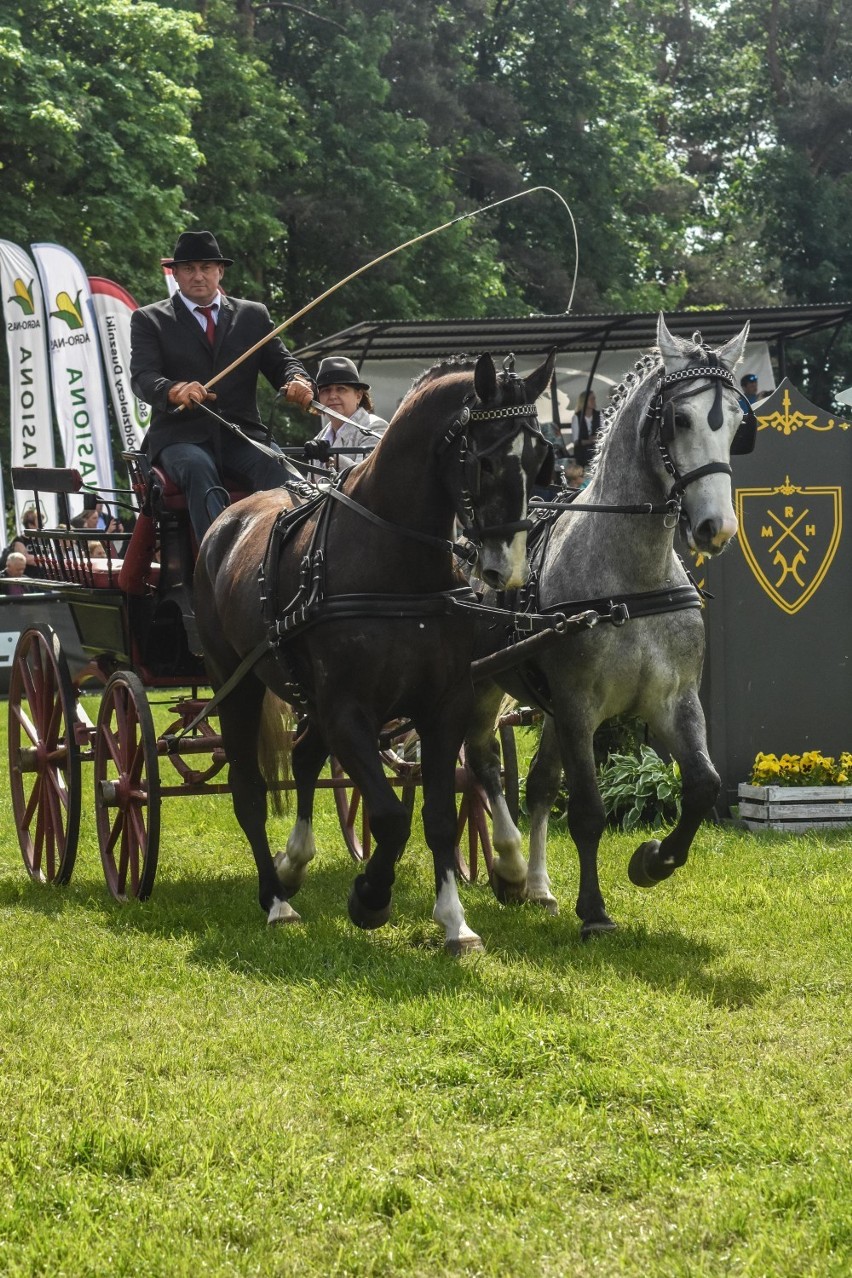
(372, 180)
(96, 106)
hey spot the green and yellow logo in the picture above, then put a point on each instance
(789, 536)
(68, 310)
(23, 295)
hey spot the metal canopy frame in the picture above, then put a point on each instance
(431, 340)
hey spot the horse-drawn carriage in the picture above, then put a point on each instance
(290, 602)
(131, 607)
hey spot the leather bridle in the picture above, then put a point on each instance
(470, 457)
(661, 421)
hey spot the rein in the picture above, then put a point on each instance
(466, 553)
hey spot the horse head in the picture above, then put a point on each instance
(502, 454)
(698, 416)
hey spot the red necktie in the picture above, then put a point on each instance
(208, 312)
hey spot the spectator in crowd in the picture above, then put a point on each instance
(575, 475)
(23, 542)
(750, 393)
(15, 567)
(177, 347)
(585, 425)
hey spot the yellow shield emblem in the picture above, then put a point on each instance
(789, 536)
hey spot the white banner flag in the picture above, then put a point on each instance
(171, 282)
(29, 383)
(113, 308)
(78, 384)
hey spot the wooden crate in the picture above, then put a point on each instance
(796, 808)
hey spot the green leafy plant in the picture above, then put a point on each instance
(640, 790)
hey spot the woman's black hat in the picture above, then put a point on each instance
(337, 370)
(197, 246)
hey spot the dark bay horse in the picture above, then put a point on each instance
(372, 614)
(667, 443)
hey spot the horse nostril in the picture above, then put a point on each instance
(492, 578)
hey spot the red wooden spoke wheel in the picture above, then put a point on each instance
(127, 788)
(472, 832)
(474, 814)
(352, 814)
(351, 811)
(44, 756)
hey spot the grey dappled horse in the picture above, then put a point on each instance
(668, 438)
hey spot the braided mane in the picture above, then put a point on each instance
(642, 377)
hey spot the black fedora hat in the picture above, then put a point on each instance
(197, 246)
(337, 370)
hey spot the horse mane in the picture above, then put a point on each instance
(638, 388)
(459, 364)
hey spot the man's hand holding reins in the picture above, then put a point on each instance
(186, 394)
(298, 391)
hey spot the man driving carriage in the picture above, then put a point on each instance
(177, 347)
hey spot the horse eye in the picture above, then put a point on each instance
(487, 466)
(682, 422)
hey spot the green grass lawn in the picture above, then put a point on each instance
(188, 1092)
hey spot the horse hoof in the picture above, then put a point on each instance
(639, 870)
(507, 893)
(282, 912)
(597, 927)
(464, 945)
(362, 916)
(545, 901)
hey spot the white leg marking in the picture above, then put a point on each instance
(291, 865)
(538, 881)
(282, 912)
(506, 837)
(458, 937)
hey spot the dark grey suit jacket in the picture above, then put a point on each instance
(168, 345)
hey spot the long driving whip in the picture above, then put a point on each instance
(390, 253)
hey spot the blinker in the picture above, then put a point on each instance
(546, 474)
(744, 440)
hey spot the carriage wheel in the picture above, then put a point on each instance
(44, 756)
(472, 828)
(127, 788)
(352, 815)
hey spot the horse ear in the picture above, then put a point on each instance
(485, 379)
(539, 380)
(669, 346)
(732, 352)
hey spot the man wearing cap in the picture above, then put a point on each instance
(177, 347)
(750, 392)
(340, 389)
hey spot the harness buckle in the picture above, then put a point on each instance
(619, 614)
(672, 515)
(523, 623)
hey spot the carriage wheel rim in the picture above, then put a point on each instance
(127, 788)
(44, 756)
(348, 802)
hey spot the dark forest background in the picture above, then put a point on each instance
(705, 150)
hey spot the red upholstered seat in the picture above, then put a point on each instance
(173, 499)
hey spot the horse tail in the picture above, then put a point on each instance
(274, 748)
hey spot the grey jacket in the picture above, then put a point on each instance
(353, 437)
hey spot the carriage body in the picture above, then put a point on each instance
(131, 607)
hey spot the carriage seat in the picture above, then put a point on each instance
(172, 498)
